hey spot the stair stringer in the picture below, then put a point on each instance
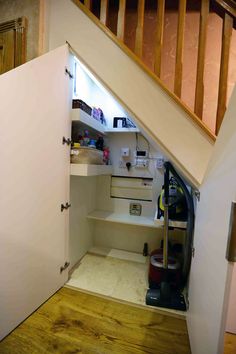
(180, 138)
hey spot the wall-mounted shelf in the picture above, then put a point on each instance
(146, 221)
(172, 223)
(122, 130)
(78, 115)
(122, 218)
(90, 170)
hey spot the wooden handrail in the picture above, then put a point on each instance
(227, 12)
(87, 3)
(228, 6)
(222, 7)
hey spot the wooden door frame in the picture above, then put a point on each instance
(19, 26)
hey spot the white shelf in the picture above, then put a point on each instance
(78, 115)
(133, 219)
(172, 223)
(122, 130)
(90, 170)
(122, 218)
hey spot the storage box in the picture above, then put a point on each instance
(86, 155)
(82, 105)
(119, 122)
(132, 188)
(123, 122)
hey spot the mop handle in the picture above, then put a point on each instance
(166, 217)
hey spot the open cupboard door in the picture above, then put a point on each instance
(34, 117)
(210, 271)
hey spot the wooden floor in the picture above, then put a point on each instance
(230, 343)
(76, 322)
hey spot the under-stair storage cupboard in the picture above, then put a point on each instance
(54, 212)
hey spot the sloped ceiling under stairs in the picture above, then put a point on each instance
(180, 138)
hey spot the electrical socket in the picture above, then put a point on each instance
(159, 163)
(141, 163)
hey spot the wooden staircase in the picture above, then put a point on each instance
(130, 23)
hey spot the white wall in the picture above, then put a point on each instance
(166, 122)
(131, 238)
(94, 94)
(82, 199)
(127, 237)
(105, 234)
(208, 287)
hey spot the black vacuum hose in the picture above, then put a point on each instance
(188, 245)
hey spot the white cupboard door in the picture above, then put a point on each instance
(209, 277)
(34, 116)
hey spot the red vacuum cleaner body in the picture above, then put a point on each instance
(156, 270)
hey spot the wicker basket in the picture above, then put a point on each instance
(86, 155)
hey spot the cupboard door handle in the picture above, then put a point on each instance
(66, 206)
(67, 141)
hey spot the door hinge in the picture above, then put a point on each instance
(197, 194)
(67, 141)
(66, 206)
(66, 265)
(193, 252)
(67, 72)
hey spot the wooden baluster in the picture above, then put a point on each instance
(224, 68)
(179, 48)
(159, 36)
(104, 11)
(199, 93)
(121, 20)
(87, 3)
(139, 30)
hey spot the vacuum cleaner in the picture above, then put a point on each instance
(168, 273)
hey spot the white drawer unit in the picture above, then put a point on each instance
(132, 188)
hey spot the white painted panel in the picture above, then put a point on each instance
(162, 118)
(208, 288)
(83, 198)
(115, 143)
(231, 316)
(131, 188)
(34, 116)
(130, 237)
(89, 170)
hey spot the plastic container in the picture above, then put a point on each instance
(156, 270)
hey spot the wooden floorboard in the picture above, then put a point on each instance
(75, 322)
(230, 343)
